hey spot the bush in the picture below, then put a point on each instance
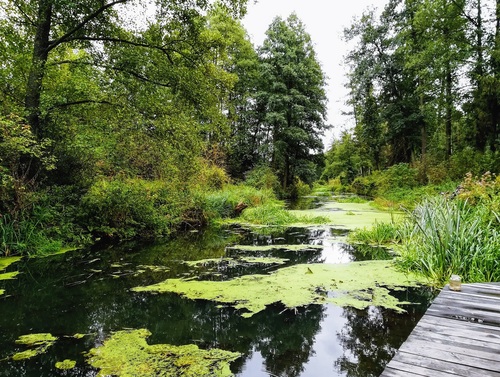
(230, 201)
(263, 177)
(126, 208)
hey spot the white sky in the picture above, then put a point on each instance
(325, 21)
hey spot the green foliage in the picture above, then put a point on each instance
(127, 208)
(25, 236)
(444, 237)
(263, 177)
(272, 213)
(22, 159)
(230, 201)
(379, 234)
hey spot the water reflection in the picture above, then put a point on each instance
(88, 292)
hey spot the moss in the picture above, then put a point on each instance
(39, 343)
(66, 364)
(127, 353)
(357, 284)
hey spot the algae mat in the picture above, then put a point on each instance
(127, 354)
(4, 263)
(357, 284)
(350, 216)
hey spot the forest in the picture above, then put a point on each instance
(127, 119)
(170, 206)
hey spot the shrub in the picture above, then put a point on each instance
(263, 177)
(125, 208)
(230, 201)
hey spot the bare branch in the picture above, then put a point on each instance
(25, 15)
(84, 22)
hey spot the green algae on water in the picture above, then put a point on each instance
(66, 364)
(4, 263)
(126, 353)
(275, 247)
(237, 261)
(357, 284)
(7, 261)
(39, 344)
(9, 275)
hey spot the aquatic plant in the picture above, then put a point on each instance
(381, 233)
(66, 364)
(126, 353)
(444, 237)
(357, 284)
(39, 343)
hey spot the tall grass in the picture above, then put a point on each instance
(379, 234)
(443, 237)
(25, 237)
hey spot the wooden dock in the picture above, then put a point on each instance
(459, 335)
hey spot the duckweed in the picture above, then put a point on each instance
(66, 364)
(126, 353)
(357, 284)
(40, 343)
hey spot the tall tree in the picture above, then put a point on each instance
(293, 99)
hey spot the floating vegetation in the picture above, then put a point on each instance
(360, 215)
(4, 263)
(274, 247)
(9, 275)
(39, 343)
(126, 353)
(66, 364)
(7, 261)
(357, 284)
(233, 262)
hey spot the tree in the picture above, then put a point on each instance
(51, 25)
(292, 99)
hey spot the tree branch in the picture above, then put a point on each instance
(118, 69)
(25, 15)
(81, 102)
(163, 49)
(85, 21)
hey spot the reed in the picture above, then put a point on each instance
(443, 237)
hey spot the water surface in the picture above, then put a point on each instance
(88, 292)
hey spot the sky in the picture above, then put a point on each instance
(325, 21)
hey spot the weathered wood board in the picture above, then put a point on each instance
(459, 335)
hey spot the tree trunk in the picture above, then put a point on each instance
(37, 70)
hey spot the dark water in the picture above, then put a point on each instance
(88, 292)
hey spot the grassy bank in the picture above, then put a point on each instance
(448, 234)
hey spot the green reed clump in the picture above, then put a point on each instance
(443, 237)
(379, 234)
(25, 237)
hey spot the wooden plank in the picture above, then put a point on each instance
(462, 341)
(480, 356)
(468, 330)
(458, 336)
(469, 296)
(397, 366)
(470, 315)
(446, 366)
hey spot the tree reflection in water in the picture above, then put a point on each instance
(371, 337)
